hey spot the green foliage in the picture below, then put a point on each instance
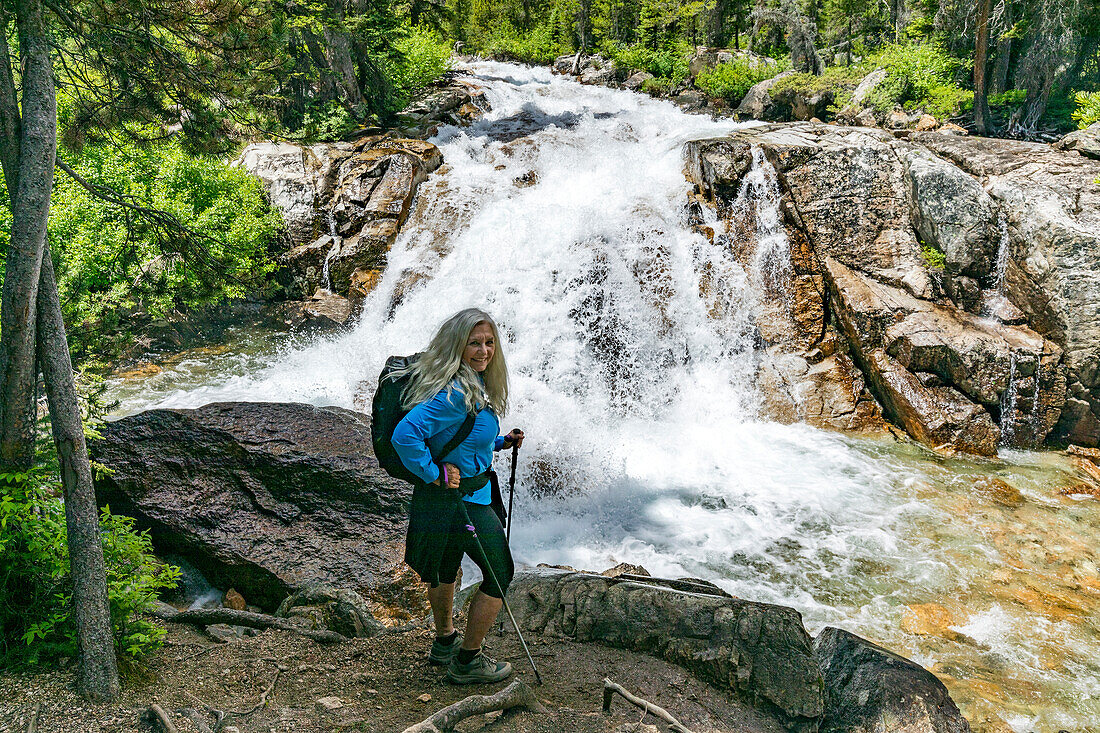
(918, 75)
(1009, 98)
(36, 622)
(326, 122)
(669, 64)
(1088, 109)
(115, 270)
(932, 257)
(537, 46)
(426, 55)
(731, 81)
(841, 80)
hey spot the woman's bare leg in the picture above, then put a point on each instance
(442, 598)
(483, 612)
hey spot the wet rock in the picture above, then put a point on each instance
(366, 250)
(301, 268)
(690, 99)
(1086, 142)
(1087, 467)
(996, 305)
(1092, 454)
(758, 651)
(598, 71)
(363, 282)
(868, 685)
(624, 568)
(999, 491)
(268, 498)
(830, 393)
(927, 619)
(322, 313)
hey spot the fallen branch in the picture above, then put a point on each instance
(32, 723)
(219, 715)
(263, 699)
(210, 616)
(610, 688)
(155, 716)
(515, 695)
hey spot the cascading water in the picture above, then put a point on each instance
(326, 274)
(1008, 404)
(757, 203)
(1003, 246)
(630, 340)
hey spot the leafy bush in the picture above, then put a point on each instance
(932, 257)
(427, 55)
(537, 46)
(36, 623)
(731, 81)
(668, 64)
(918, 75)
(1009, 98)
(111, 271)
(326, 122)
(840, 80)
(1088, 109)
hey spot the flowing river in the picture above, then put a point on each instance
(629, 337)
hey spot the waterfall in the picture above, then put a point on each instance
(326, 275)
(629, 341)
(758, 201)
(1008, 404)
(1003, 247)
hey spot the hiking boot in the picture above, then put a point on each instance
(480, 670)
(442, 653)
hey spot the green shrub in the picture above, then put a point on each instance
(731, 81)
(427, 55)
(1009, 98)
(932, 257)
(111, 272)
(668, 64)
(537, 46)
(918, 75)
(1088, 109)
(326, 122)
(36, 623)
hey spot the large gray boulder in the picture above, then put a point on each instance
(758, 651)
(873, 690)
(758, 104)
(267, 498)
(1086, 142)
(849, 114)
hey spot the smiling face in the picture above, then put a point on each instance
(480, 347)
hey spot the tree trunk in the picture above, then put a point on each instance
(716, 28)
(981, 56)
(340, 62)
(31, 209)
(999, 83)
(97, 673)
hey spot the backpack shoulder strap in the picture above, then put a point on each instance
(463, 432)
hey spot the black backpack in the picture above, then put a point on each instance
(386, 412)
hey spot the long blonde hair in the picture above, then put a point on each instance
(439, 365)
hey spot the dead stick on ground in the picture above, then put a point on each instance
(263, 699)
(610, 688)
(32, 723)
(219, 715)
(208, 616)
(156, 716)
(515, 695)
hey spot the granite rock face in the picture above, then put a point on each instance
(268, 498)
(970, 264)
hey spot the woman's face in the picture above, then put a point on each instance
(480, 347)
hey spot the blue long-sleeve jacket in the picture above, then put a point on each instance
(432, 423)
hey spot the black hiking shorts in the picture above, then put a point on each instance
(496, 556)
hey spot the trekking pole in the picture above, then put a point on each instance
(511, 491)
(493, 575)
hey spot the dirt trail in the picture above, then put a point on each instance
(380, 681)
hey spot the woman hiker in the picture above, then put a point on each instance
(462, 372)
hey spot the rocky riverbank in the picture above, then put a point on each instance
(952, 279)
(287, 500)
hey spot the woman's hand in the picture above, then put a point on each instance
(515, 437)
(453, 476)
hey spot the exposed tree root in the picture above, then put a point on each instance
(156, 718)
(209, 616)
(515, 695)
(32, 722)
(609, 690)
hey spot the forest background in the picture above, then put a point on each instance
(147, 221)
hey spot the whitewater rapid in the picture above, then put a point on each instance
(629, 337)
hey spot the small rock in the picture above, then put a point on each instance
(926, 123)
(372, 691)
(231, 729)
(1093, 454)
(999, 491)
(1087, 467)
(896, 120)
(926, 619)
(328, 705)
(234, 600)
(360, 677)
(866, 118)
(425, 698)
(637, 728)
(224, 632)
(1081, 489)
(952, 129)
(625, 568)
